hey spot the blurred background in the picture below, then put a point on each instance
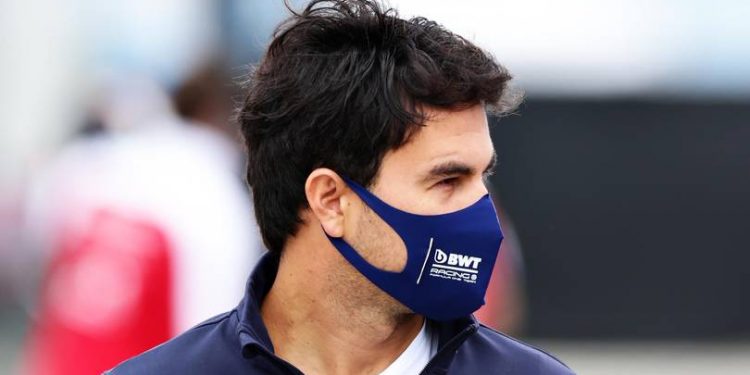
(623, 177)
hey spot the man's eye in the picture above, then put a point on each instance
(448, 182)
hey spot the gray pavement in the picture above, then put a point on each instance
(645, 358)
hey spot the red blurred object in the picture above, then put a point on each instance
(106, 296)
(499, 311)
(505, 308)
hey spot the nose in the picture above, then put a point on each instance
(483, 187)
(477, 190)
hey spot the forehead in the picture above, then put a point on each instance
(461, 135)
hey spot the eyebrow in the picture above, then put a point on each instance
(454, 168)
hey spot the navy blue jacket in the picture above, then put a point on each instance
(237, 342)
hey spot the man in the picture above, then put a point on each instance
(368, 146)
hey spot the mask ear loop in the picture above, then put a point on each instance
(354, 257)
(390, 215)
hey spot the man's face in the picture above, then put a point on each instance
(440, 170)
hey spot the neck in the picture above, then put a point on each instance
(326, 318)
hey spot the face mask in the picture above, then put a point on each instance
(450, 257)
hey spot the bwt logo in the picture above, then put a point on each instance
(458, 260)
(452, 266)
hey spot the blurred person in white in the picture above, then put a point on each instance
(145, 225)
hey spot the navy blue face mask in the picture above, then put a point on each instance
(450, 257)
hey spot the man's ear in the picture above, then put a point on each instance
(324, 190)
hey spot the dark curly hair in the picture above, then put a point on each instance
(342, 83)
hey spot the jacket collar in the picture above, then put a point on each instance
(252, 331)
(254, 337)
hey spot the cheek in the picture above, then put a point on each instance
(377, 242)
